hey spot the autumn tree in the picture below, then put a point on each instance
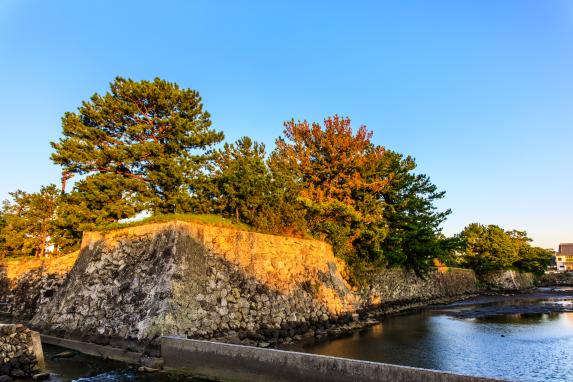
(28, 221)
(152, 133)
(334, 169)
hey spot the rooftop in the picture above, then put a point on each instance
(566, 249)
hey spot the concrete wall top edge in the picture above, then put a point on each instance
(241, 351)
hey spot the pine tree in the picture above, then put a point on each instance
(414, 237)
(247, 191)
(96, 201)
(242, 180)
(152, 133)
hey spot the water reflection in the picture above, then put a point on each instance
(520, 318)
(568, 318)
(525, 347)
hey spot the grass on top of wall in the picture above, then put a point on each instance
(212, 220)
(14, 267)
(205, 219)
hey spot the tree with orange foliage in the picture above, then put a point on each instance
(335, 170)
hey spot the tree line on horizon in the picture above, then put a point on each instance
(149, 146)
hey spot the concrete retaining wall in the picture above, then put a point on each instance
(105, 352)
(246, 363)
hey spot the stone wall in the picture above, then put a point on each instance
(29, 292)
(507, 280)
(557, 279)
(20, 352)
(396, 288)
(4, 283)
(131, 286)
(4, 291)
(27, 283)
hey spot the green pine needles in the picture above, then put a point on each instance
(148, 143)
(149, 146)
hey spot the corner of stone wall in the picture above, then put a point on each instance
(507, 280)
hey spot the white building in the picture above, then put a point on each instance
(564, 258)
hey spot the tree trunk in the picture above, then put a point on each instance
(65, 176)
(42, 249)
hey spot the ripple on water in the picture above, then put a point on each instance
(524, 347)
(115, 376)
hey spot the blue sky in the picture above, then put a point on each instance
(479, 92)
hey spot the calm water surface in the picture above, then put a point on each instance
(523, 347)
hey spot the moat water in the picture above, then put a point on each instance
(520, 346)
(523, 338)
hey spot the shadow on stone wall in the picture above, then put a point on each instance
(129, 291)
(132, 286)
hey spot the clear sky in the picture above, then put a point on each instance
(479, 92)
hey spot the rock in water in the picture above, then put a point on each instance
(145, 369)
(40, 376)
(65, 354)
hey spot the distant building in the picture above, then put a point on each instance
(564, 258)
